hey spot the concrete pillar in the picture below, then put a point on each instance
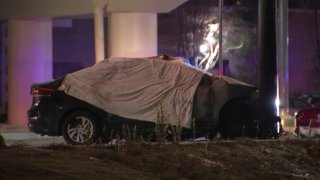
(282, 41)
(29, 61)
(288, 122)
(99, 7)
(132, 34)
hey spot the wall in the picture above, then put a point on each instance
(73, 47)
(302, 52)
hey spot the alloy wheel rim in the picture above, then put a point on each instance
(80, 130)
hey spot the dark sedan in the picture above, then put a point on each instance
(100, 100)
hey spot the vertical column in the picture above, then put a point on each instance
(3, 67)
(99, 6)
(220, 61)
(283, 72)
(29, 61)
(132, 34)
(268, 66)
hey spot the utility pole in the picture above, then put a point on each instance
(220, 60)
(268, 66)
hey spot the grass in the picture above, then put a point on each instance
(216, 159)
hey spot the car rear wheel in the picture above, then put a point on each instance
(80, 128)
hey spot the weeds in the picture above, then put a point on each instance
(118, 142)
(165, 131)
(161, 128)
(162, 133)
(129, 134)
(175, 131)
(194, 128)
(128, 137)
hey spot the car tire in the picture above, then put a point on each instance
(230, 127)
(237, 120)
(80, 128)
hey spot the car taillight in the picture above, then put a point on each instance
(42, 91)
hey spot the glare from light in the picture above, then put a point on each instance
(211, 40)
(277, 104)
(210, 48)
(277, 101)
(203, 48)
(214, 27)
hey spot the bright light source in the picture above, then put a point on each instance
(203, 48)
(277, 102)
(214, 27)
(210, 48)
(211, 40)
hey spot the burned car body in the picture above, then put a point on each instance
(117, 91)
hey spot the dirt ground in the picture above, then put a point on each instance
(240, 159)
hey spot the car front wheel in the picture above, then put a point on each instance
(237, 120)
(80, 128)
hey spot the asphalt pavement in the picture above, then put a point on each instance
(20, 135)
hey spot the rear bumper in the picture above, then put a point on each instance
(42, 124)
(37, 129)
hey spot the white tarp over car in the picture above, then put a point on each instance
(137, 88)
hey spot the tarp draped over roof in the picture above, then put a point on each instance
(137, 88)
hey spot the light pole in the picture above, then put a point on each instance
(220, 61)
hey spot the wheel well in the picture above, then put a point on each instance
(67, 113)
(230, 104)
(238, 118)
